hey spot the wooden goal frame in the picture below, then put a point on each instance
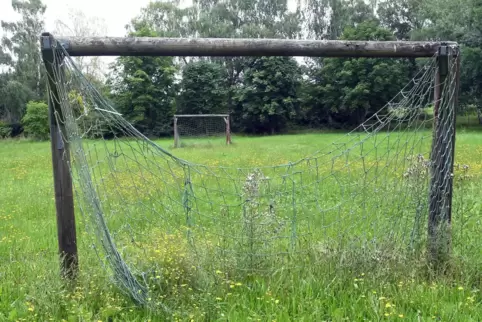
(225, 117)
(154, 46)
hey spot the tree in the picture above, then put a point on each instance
(471, 65)
(203, 89)
(348, 13)
(21, 50)
(267, 100)
(14, 96)
(403, 17)
(471, 79)
(349, 90)
(326, 19)
(80, 25)
(165, 19)
(445, 19)
(243, 19)
(224, 18)
(459, 21)
(144, 90)
(36, 119)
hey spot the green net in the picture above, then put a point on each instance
(363, 197)
(201, 130)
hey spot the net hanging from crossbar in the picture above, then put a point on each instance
(146, 208)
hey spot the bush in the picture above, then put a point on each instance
(5, 130)
(36, 120)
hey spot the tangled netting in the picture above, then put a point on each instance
(367, 191)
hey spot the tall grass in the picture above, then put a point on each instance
(386, 285)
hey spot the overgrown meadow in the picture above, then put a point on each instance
(366, 289)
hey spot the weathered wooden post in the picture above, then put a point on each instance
(176, 133)
(228, 129)
(64, 198)
(152, 46)
(442, 156)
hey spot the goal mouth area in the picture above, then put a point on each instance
(371, 191)
(246, 47)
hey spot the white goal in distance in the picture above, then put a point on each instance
(201, 126)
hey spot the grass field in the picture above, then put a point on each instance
(30, 289)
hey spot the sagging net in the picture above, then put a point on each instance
(207, 129)
(361, 197)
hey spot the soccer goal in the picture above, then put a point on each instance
(381, 191)
(199, 127)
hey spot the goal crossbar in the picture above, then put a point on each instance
(157, 46)
(202, 115)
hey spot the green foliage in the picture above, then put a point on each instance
(403, 17)
(326, 19)
(145, 90)
(203, 89)
(245, 18)
(20, 50)
(332, 93)
(242, 19)
(267, 100)
(349, 90)
(335, 92)
(36, 120)
(14, 97)
(471, 78)
(164, 19)
(5, 130)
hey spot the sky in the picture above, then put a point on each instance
(115, 16)
(111, 13)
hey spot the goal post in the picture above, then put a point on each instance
(157, 46)
(201, 125)
(55, 49)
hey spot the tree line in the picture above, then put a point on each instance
(263, 94)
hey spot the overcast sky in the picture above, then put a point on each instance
(115, 13)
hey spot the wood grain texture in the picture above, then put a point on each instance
(64, 196)
(147, 46)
